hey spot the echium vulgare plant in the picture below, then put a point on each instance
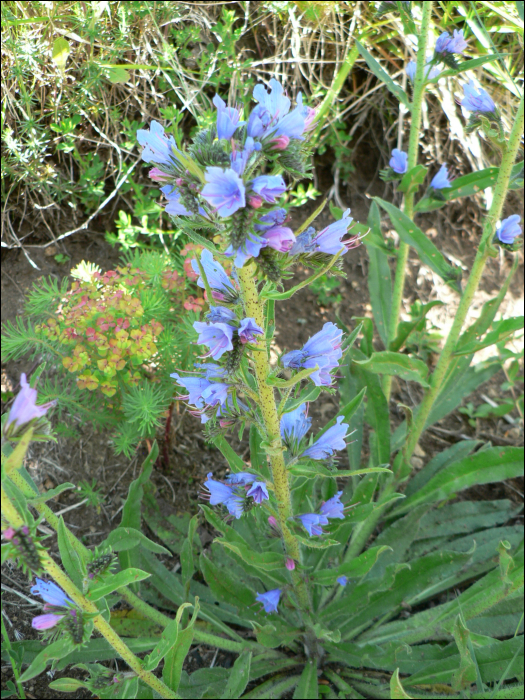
(294, 586)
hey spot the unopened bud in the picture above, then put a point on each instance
(255, 201)
(273, 522)
(290, 564)
(280, 142)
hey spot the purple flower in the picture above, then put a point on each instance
(290, 564)
(322, 349)
(258, 492)
(227, 118)
(329, 442)
(220, 314)
(293, 125)
(272, 218)
(24, 408)
(51, 593)
(333, 508)
(440, 180)
(477, 99)
(241, 478)
(217, 336)
(312, 523)
(158, 148)
(329, 239)
(280, 238)
(342, 581)
(248, 330)
(226, 495)
(509, 229)
(432, 71)
(272, 115)
(294, 426)
(45, 622)
(215, 394)
(212, 371)
(224, 190)
(269, 187)
(270, 600)
(451, 44)
(217, 278)
(239, 159)
(195, 386)
(174, 206)
(249, 249)
(399, 161)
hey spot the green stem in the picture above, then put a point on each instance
(408, 205)
(14, 664)
(12, 516)
(255, 309)
(484, 252)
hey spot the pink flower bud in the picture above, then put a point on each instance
(273, 522)
(9, 533)
(280, 142)
(310, 118)
(179, 181)
(255, 201)
(158, 175)
(45, 622)
(290, 564)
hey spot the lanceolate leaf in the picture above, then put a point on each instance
(427, 251)
(115, 581)
(405, 328)
(505, 328)
(260, 560)
(356, 568)
(396, 364)
(379, 277)
(412, 179)
(307, 687)
(485, 467)
(239, 676)
(376, 69)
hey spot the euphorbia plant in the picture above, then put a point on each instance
(291, 585)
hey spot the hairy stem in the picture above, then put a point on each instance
(255, 309)
(12, 516)
(408, 205)
(484, 250)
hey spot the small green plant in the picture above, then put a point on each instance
(93, 495)
(325, 288)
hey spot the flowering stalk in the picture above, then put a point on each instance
(485, 251)
(255, 309)
(14, 519)
(408, 206)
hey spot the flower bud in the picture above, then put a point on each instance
(255, 201)
(290, 564)
(280, 142)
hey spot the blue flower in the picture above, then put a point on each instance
(280, 238)
(195, 386)
(224, 190)
(24, 408)
(431, 73)
(241, 478)
(329, 442)
(220, 314)
(269, 187)
(174, 206)
(294, 426)
(249, 249)
(448, 44)
(222, 494)
(322, 349)
(248, 329)
(399, 161)
(272, 218)
(274, 102)
(158, 148)
(326, 241)
(272, 116)
(220, 283)
(312, 523)
(258, 492)
(441, 180)
(294, 123)
(227, 118)
(333, 508)
(509, 229)
(212, 371)
(270, 600)
(217, 336)
(477, 99)
(239, 159)
(51, 593)
(342, 581)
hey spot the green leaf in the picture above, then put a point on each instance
(396, 689)
(118, 75)
(170, 638)
(186, 555)
(377, 413)
(71, 561)
(405, 328)
(226, 586)
(60, 53)
(282, 296)
(486, 467)
(307, 687)
(412, 179)
(124, 538)
(427, 251)
(115, 581)
(383, 76)
(287, 383)
(505, 328)
(440, 461)
(397, 365)
(67, 685)
(470, 64)
(239, 676)
(268, 561)
(346, 412)
(51, 493)
(466, 673)
(315, 542)
(234, 461)
(56, 650)
(356, 568)
(379, 277)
